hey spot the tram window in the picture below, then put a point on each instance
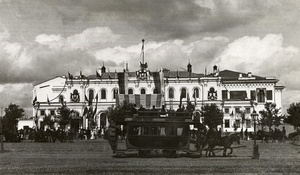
(179, 131)
(172, 131)
(145, 130)
(154, 131)
(162, 131)
(135, 130)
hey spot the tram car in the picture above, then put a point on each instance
(149, 131)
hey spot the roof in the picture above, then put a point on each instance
(169, 74)
(233, 75)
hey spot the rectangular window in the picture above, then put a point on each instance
(172, 131)
(238, 95)
(270, 95)
(224, 94)
(248, 110)
(238, 123)
(237, 110)
(261, 95)
(253, 96)
(154, 131)
(248, 123)
(145, 130)
(42, 112)
(226, 110)
(52, 112)
(227, 125)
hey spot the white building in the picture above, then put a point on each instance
(231, 91)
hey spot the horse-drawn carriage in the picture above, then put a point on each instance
(170, 135)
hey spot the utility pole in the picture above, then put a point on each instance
(1, 131)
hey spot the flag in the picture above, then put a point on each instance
(81, 75)
(94, 113)
(61, 100)
(96, 98)
(70, 76)
(195, 96)
(85, 111)
(98, 75)
(34, 100)
(121, 82)
(177, 75)
(87, 80)
(48, 101)
(188, 98)
(181, 97)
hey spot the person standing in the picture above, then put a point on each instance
(246, 134)
(283, 134)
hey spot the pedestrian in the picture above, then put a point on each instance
(283, 134)
(163, 111)
(246, 134)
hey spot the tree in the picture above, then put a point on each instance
(293, 117)
(10, 121)
(49, 121)
(118, 113)
(64, 117)
(213, 116)
(270, 116)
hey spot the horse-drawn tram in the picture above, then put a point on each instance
(169, 134)
(149, 132)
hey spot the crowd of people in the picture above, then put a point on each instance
(273, 135)
(53, 135)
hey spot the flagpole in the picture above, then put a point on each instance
(143, 57)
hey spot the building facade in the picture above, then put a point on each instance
(234, 92)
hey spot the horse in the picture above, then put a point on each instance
(225, 142)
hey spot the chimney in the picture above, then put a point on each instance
(215, 69)
(126, 67)
(249, 74)
(189, 68)
(103, 69)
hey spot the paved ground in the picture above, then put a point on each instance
(95, 157)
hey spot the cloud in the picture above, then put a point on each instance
(4, 35)
(163, 20)
(21, 98)
(91, 37)
(267, 56)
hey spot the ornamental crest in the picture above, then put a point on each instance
(75, 96)
(212, 94)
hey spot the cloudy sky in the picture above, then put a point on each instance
(41, 39)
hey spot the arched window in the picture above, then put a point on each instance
(143, 91)
(196, 93)
(130, 91)
(115, 92)
(183, 93)
(102, 120)
(155, 91)
(91, 95)
(103, 94)
(171, 93)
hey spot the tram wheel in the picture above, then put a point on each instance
(143, 153)
(170, 153)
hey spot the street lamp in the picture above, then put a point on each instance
(255, 147)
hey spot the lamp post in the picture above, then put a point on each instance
(1, 131)
(255, 147)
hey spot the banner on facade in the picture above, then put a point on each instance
(146, 100)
